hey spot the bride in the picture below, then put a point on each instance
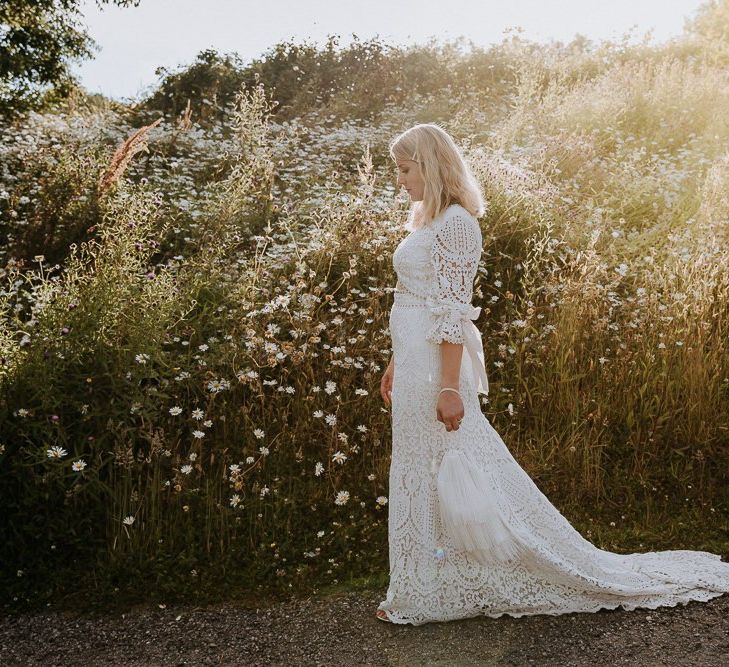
(469, 532)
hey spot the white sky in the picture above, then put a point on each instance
(136, 40)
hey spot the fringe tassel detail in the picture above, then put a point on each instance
(470, 512)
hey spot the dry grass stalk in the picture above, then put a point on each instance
(185, 121)
(131, 146)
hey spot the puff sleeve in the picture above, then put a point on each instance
(455, 255)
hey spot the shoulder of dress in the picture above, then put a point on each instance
(456, 213)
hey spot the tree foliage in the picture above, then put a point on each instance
(38, 41)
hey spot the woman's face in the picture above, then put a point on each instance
(408, 175)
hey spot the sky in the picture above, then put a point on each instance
(134, 41)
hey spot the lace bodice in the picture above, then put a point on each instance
(438, 263)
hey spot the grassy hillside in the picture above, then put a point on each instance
(194, 309)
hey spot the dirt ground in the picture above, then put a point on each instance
(341, 629)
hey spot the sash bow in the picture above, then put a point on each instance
(472, 339)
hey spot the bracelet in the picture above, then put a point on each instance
(449, 389)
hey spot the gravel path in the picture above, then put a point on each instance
(340, 629)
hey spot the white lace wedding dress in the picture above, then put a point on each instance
(469, 532)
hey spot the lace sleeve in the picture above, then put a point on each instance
(455, 254)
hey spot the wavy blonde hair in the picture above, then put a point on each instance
(446, 173)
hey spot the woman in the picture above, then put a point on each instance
(469, 532)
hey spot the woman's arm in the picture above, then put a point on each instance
(450, 366)
(455, 255)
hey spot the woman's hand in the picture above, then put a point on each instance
(386, 383)
(450, 410)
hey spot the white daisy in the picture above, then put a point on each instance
(56, 452)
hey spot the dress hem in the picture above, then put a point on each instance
(694, 596)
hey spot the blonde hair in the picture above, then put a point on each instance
(445, 172)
